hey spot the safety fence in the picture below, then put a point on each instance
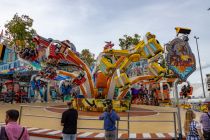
(128, 120)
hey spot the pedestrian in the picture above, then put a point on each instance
(110, 117)
(192, 128)
(205, 121)
(13, 131)
(69, 122)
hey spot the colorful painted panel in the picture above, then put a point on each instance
(9, 56)
(138, 68)
(99, 105)
(180, 58)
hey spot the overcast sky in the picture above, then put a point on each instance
(88, 23)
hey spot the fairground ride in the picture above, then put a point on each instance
(109, 73)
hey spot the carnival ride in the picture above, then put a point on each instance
(113, 64)
(13, 92)
(110, 67)
(108, 80)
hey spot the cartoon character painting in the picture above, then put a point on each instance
(180, 58)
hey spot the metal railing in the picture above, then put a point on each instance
(128, 120)
(156, 121)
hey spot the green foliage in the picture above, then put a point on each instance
(87, 57)
(162, 62)
(128, 41)
(20, 32)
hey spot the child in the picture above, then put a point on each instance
(192, 128)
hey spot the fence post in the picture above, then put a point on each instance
(178, 108)
(21, 109)
(175, 132)
(117, 128)
(128, 124)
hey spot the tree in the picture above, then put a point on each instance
(19, 31)
(128, 41)
(87, 57)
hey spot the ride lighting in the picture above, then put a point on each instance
(180, 30)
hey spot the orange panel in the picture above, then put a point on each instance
(2, 50)
(105, 91)
(101, 80)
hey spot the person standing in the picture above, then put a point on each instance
(184, 91)
(110, 117)
(13, 131)
(69, 122)
(192, 128)
(205, 121)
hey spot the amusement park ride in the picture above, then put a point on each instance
(108, 79)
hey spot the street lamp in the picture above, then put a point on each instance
(196, 38)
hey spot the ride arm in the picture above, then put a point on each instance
(117, 52)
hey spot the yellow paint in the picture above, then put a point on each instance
(135, 57)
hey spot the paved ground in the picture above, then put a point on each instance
(54, 123)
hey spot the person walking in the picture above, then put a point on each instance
(192, 128)
(110, 117)
(13, 131)
(69, 122)
(205, 121)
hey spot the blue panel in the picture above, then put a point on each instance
(146, 51)
(153, 47)
(59, 77)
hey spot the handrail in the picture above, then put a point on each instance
(148, 121)
(41, 116)
(90, 128)
(151, 111)
(41, 107)
(128, 120)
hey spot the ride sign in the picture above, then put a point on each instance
(180, 58)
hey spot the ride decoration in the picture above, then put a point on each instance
(65, 89)
(38, 88)
(49, 55)
(99, 105)
(114, 63)
(180, 58)
(13, 92)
